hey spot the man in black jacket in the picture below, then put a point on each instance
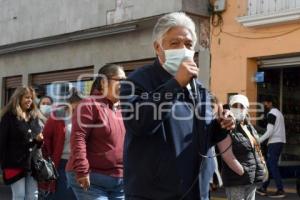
(168, 118)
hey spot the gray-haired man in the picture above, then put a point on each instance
(166, 136)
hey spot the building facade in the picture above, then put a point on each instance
(53, 45)
(255, 51)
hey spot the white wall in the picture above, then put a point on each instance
(22, 20)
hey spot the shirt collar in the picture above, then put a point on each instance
(161, 74)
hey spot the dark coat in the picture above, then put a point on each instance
(247, 156)
(17, 139)
(161, 152)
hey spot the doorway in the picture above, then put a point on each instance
(283, 84)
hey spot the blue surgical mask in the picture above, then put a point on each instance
(46, 109)
(174, 57)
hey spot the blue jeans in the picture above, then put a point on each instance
(206, 173)
(25, 188)
(274, 151)
(102, 187)
(61, 190)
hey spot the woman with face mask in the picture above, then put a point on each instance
(45, 108)
(57, 133)
(245, 147)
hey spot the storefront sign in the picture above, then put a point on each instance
(260, 77)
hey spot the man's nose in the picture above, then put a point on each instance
(182, 45)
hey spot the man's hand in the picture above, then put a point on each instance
(225, 118)
(187, 70)
(84, 182)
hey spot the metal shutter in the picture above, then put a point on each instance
(64, 75)
(279, 62)
(132, 65)
(12, 82)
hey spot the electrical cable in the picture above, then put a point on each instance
(217, 21)
(216, 154)
(261, 37)
(197, 96)
(193, 184)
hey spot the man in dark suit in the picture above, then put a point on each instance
(168, 118)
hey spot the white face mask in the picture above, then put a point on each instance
(174, 58)
(46, 109)
(239, 114)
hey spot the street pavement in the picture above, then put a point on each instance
(289, 184)
(290, 189)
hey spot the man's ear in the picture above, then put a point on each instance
(156, 46)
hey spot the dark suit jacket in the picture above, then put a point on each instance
(163, 137)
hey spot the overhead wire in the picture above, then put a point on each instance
(218, 22)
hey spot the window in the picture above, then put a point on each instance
(283, 84)
(130, 66)
(265, 12)
(10, 85)
(58, 83)
(258, 7)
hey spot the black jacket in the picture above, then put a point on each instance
(161, 152)
(247, 156)
(17, 141)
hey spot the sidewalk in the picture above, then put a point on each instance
(290, 189)
(289, 184)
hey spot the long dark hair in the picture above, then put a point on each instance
(44, 97)
(107, 70)
(75, 96)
